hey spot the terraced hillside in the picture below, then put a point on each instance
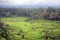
(20, 28)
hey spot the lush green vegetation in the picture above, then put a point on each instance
(30, 23)
(21, 28)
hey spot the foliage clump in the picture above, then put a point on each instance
(4, 31)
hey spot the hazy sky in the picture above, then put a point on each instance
(29, 2)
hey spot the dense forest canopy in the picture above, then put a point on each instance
(47, 13)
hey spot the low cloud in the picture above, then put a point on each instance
(29, 2)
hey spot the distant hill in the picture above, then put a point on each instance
(28, 6)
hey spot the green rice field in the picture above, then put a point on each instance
(23, 29)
